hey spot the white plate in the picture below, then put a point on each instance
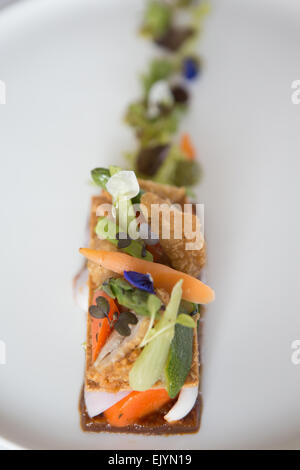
(70, 68)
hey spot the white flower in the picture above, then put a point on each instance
(159, 94)
(123, 185)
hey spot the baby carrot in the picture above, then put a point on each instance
(100, 328)
(187, 147)
(135, 406)
(193, 290)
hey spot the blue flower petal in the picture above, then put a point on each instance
(190, 68)
(141, 281)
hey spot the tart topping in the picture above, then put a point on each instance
(190, 68)
(160, 96)
(174, 38)
(150, 159)
(180, 94)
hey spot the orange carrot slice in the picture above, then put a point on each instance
(100, 328)
(193, 290)
(135, 406)
(187, 147)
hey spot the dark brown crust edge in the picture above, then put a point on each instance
(153, 424)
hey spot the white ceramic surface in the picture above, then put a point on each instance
(70, 68)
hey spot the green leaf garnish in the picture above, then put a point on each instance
(106, 229)
(187, 173)
(179, 359)
(188, 307)
(160, 69)
(185, 320)
(153, 130)
(141, 302)
(100, 176)
(101, 309)
(149, 366)
(113, 169)
(157, 19)
(123, 322)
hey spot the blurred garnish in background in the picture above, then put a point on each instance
(174, 27)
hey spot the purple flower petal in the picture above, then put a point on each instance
(190, 68)
(141, 281)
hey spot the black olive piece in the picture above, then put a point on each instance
(180, 94)
(150, 159)
(123, 242)
(174, 38)
(144, 251)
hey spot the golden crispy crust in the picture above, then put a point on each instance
(165, 191)
(174, 194)
(116, 378)
(112, 375)
(153, 424)
(165, 220)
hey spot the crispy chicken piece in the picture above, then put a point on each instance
(165, 191)
(98, 273)
(111, 368)
(111, 372)
(179, 233)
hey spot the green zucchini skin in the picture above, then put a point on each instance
(179, 359)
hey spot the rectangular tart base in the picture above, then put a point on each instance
(153, 424)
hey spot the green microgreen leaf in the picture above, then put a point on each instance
(185, 320)
(123, 322)
(100, 176)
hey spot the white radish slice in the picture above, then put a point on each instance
(112, 343)
(97, 402)
(186, 400)
(80, 288)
